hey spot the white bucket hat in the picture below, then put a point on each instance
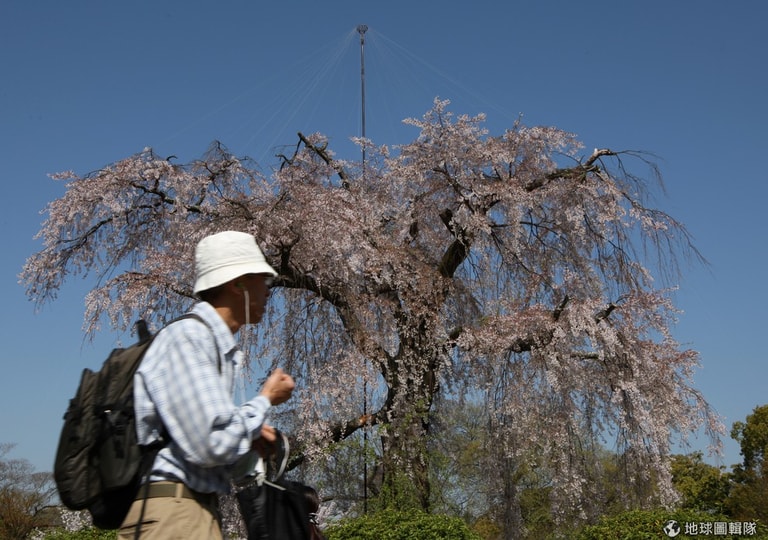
(224, 256)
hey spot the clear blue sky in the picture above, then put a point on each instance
(85, 83)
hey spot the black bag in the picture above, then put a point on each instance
(99, 463)
(274, 508)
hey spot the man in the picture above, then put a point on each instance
(184, 391)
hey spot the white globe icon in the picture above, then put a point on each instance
(671, 528)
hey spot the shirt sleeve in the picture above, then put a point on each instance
(193, 400)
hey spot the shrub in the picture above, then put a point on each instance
(401, 525)
(89, 533)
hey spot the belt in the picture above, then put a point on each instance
(175, 489)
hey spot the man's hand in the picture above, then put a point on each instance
(264, 444)
(268, 433)
(278, 387)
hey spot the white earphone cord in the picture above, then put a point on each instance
(247, 307)
(244, 340)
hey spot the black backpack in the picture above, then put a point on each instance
(99, 463)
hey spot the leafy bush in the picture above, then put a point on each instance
(649, 525)
(89, 533)
(402, 525)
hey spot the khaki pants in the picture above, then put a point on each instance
(172, 518)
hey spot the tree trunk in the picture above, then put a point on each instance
(405, 452)
(406, 467)
(513, 518)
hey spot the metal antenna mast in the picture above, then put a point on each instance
(361, 29)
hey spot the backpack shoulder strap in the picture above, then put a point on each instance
(199, 318)
(145, 336)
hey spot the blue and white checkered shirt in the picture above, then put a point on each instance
(178, 385)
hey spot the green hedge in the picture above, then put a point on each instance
(401, 525)
(90, 533)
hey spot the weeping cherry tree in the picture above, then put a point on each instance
(514, 269)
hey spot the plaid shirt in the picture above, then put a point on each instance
(178, 385)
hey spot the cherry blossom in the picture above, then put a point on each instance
(513, 269)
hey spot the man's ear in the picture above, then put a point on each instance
(235, 287)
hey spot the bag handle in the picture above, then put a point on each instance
(282, 453)
(259, 469)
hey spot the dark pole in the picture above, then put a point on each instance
(361, 29)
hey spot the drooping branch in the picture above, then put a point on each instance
(605, 312)
(343, 430)
(543, 336)
(560, 307)
(293, 278)
(328, 160)
(577, 172)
